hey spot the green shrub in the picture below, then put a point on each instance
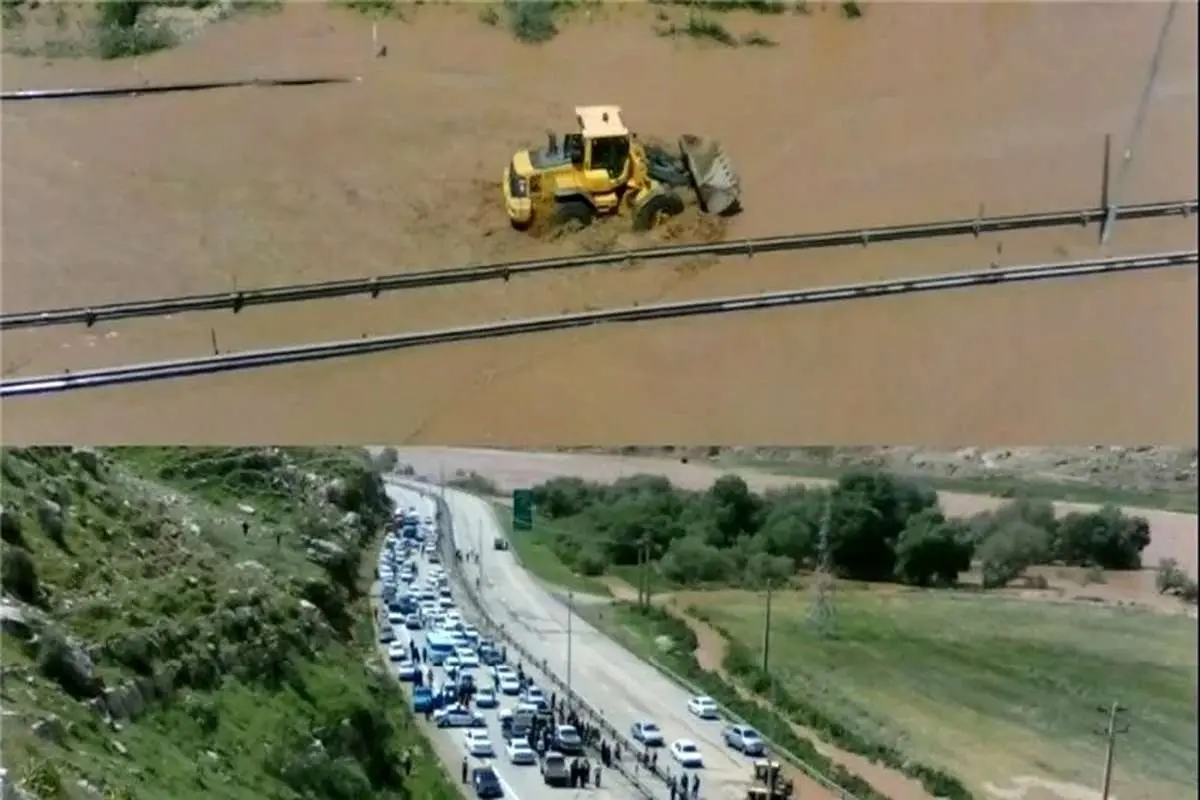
(19, 574)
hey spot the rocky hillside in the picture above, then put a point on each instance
(192, 622)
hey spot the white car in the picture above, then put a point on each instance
(686, 753)
(509, 685)
(407, 670)
(704, 707)
(397, 651)
(520, 753)
(469, 659)
(478, 744)
(533, 695)
(502, 671)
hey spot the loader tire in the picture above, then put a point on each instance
(572, 212)
(656, 208)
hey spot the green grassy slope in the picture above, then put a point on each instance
(225, 661)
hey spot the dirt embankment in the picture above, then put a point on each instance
(1140, 468)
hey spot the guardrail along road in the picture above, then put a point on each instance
(321, 351)
(620, 686)
(374, 286)
(520, 782)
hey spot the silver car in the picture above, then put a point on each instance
(744, 739)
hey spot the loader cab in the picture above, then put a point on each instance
(601, 149)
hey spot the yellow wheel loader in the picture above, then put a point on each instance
(770, 785)
(602, 170)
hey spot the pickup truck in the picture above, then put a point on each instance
(500, 543)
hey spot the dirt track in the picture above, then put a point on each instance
(398, 171)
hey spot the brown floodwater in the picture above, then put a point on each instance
(918, 111)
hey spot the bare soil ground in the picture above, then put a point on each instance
(398, 171)
(1097, 469)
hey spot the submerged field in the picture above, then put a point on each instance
(1005, 693)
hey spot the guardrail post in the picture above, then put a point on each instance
(374, 288)
(89, 318)
(239, 300)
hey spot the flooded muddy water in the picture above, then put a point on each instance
(918, 111)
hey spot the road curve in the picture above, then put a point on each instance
(613, 680)
(520, 783)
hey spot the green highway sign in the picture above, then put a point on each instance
(522, 516)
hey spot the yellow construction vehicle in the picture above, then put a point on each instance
(602, 169)
(769, 785)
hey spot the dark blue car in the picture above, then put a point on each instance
(423, 700)
(486, 783)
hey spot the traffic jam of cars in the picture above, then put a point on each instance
(458, 677)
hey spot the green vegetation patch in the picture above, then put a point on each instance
(193, 622)
(644, 630)
(877, 527)
(110, 29)
(535, 550)
(993, 687)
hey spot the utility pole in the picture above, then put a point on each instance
(822, 614)
(644, 578)
(1116, 726)
(1139, 118)
(766, 662)
(570, 615)
(641, 588)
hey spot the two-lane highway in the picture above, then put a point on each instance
(618, 684)
(519, 782)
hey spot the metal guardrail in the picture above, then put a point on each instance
(729, 713)
(775, 747)
(26, 95)
(446, 535)
(297, 354)
(374, 286)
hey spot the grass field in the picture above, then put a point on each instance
(1184, 500)
(995, 690)
(534, 553)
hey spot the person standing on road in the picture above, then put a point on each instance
(464, 770)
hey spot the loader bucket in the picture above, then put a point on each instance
(716, 182)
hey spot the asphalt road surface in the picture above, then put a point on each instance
(615, 682)
(519, 782)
